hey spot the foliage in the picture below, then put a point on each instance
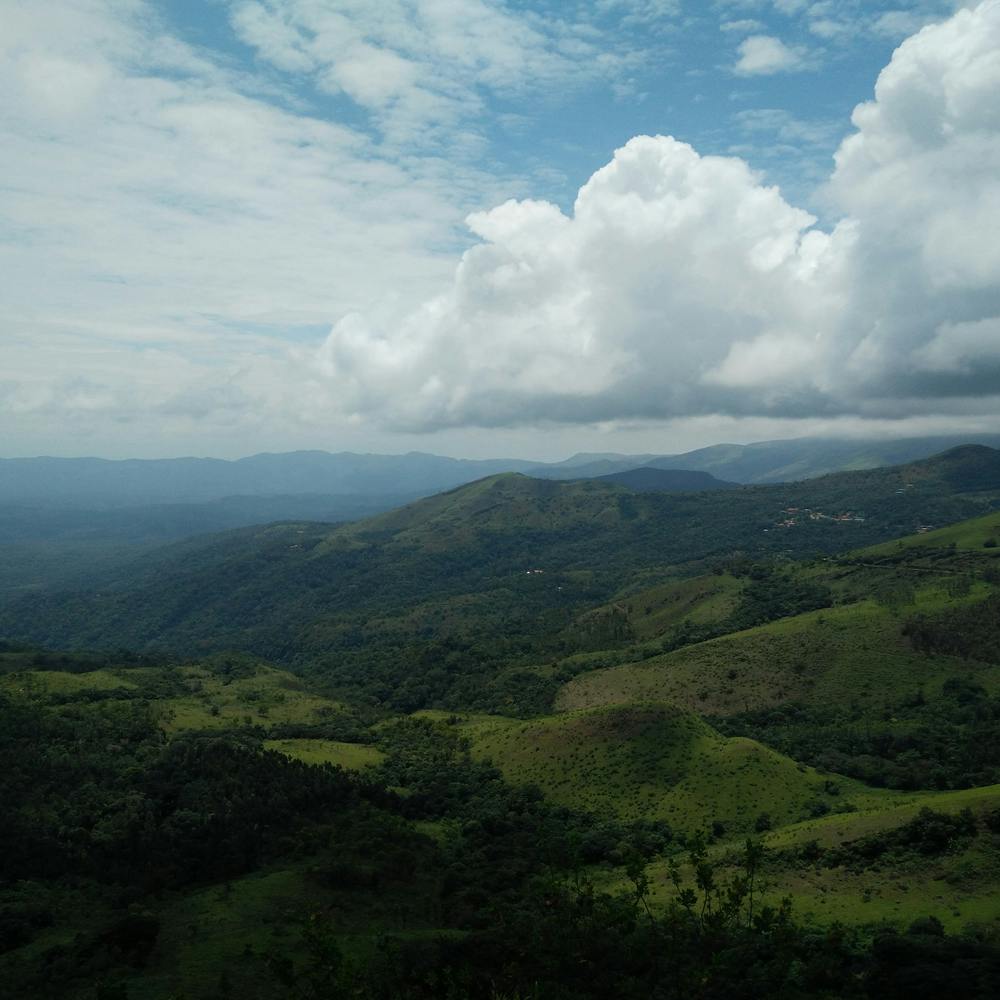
(970, 632)
(450, 586)
(949, 742)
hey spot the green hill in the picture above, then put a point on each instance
(490, 575)
(647, 479)
(816, 664)
(859, 648)
(896, 681)
(858, 868)
(656, 761)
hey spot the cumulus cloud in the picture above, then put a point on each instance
(681, 284)
(667, 259)
(764, 55)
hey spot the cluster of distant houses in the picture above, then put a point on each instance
(794, 515)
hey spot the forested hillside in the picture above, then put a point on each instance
(527, 739)
(484, 577)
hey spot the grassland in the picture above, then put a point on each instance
(970, 535)
(352, 756)
(266, 697)
(855, 651)
(49, 683)
(961, 887)
(656, 761)
(700, 600)
(235, 926)
(625, 743)
(191, 696)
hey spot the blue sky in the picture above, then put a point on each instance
(238, 225)
(640, 68)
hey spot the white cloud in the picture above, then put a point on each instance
(786, 127)
(178, 227)
(667, 259)
(790, 6)
(920, 175)
(167, 223)
(902, 22)
(764, 55)
(965, 349)
(742, 27)
(642, 11)
(831, 29)
(179, 234)
(419, 68)
(682, 285)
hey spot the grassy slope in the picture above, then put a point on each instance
(960, 888)
(654, 761)
(967, 535)
(700, 600)
(206, 930)
(854, 650)
(633, 760)
(211, 928)
(268, 697)
(196, 696)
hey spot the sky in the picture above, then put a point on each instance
(495, 227)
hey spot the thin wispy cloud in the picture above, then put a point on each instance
(419, 69)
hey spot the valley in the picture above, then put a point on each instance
(389, 748)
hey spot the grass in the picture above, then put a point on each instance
(188, 697)
(231, 926)
(965, 535)
(959, 888)
(267, 697)
(351, 756)
(40, 683)
(898, 895)
(209, 930)
(701, 600)
(655, 761)
(855, 652)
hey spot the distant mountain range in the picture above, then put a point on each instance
(780, 461)
(388, 480)
(96, 482)
(63, 520)
(508, 554)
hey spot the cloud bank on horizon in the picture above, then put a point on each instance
(682, 285)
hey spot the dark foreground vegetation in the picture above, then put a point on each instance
(105, 815)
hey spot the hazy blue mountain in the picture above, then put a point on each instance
(806, 458)
(95, 482)
(46, 546)
(590, 467)
(99, 483)
(169, 522)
